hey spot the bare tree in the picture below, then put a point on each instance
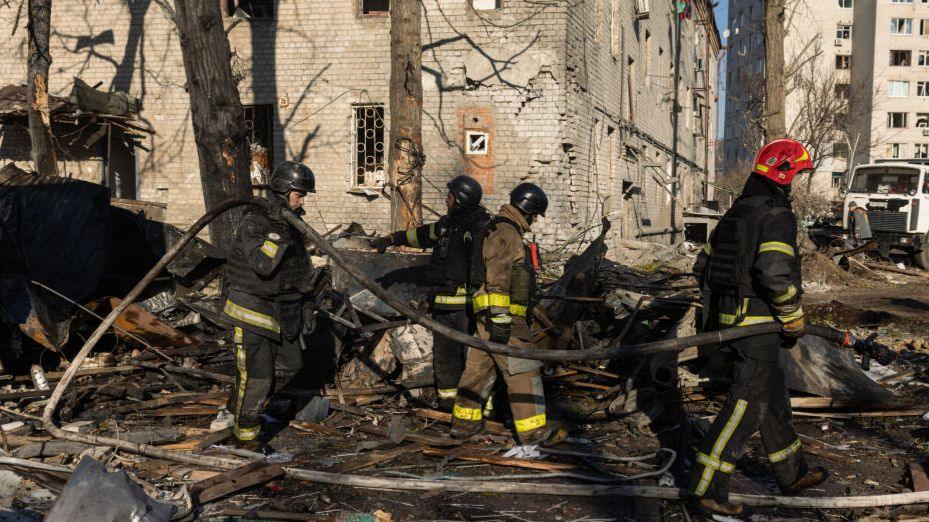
(775, 116)
(40, 58)
(216, 111)
(405, 158)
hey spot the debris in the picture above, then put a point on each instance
(918, 478)
(315, 411)
(231, 481)
(94, 494)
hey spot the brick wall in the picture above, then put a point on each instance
(542, 78)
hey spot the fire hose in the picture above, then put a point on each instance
(48, 417)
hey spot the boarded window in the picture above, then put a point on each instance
(368, 169)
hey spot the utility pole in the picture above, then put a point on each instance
(675, 115)
(405, 157)
(216, 112)
(40, 58)
(775, 117)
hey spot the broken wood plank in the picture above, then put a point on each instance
(472, 454)
(861, 414)
(832, 403)
(192, 411)
(491, 426)
(589, 385)
(174, 398)
(201, 442)
(918, 476)
(315, 427)
(418, 438)
(594, 371)
(234, 480)
(374, 458)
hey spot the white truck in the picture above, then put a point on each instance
(896, 196)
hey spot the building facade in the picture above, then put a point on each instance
(873, 55)
(574, 97)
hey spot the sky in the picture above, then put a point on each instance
(722, 21)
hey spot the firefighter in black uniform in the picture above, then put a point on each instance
(750, 271)
(450, 239)
(268, 277)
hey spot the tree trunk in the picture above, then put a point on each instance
(216, 111)
(406, 156)
(40, 58)
(775, 118)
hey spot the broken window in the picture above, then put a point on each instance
(921, 150)
(375, 6)
(476, 143)
(922, 88)
(843, 61)
(842, 91)
(896, 120)
(250, 8)
(369, 145)
(901, 26)
(922, 120)
(923, 59)
(900, 58)
(259, 132)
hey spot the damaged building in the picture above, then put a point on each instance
(575, 97)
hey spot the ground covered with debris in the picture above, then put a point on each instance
(364, 407)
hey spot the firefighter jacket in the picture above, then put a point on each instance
(267, 276)
(450, 239)
(751, 266)
(502, 273)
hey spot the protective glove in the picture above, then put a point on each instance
(380, 243)
(794, 329)
(499, 327)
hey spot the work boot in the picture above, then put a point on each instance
(465, 430)
(548, 436)
(813, 477)
(730, 509)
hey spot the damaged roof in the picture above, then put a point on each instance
(84, 100)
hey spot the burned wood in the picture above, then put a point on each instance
(234, 480)
(377, 457)
(419, 438)
(170, 399)
(225, 379)
(473, 454)
(490, 426)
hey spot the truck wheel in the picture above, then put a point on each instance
(921, 258)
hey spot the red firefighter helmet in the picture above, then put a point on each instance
(781, 160)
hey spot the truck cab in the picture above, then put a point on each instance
(895, 194)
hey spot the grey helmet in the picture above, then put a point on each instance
(292, 176)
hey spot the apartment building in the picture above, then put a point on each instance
(873, 54)
(573, 96)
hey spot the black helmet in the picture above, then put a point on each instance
(291, 175)
(530, 199)
(466, 190)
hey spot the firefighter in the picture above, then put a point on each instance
(268, 277)
(503, 276)
(450, 239)
(750, 270)
(859, 224)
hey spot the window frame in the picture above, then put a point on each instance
(895, 26)
(922, 86)
(365, 184)
(843, 31)
(921, 150)
(892, 116)
(907, 62)
(890, 92)
(851, 4)
(922, 56)
(845, 59)
(896, 150)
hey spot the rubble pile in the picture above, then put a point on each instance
(364, 408)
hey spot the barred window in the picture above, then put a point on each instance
(368, 168)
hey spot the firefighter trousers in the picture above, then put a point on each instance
(758, 401)
(524, 389)
(258, 358)
(448, 356)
